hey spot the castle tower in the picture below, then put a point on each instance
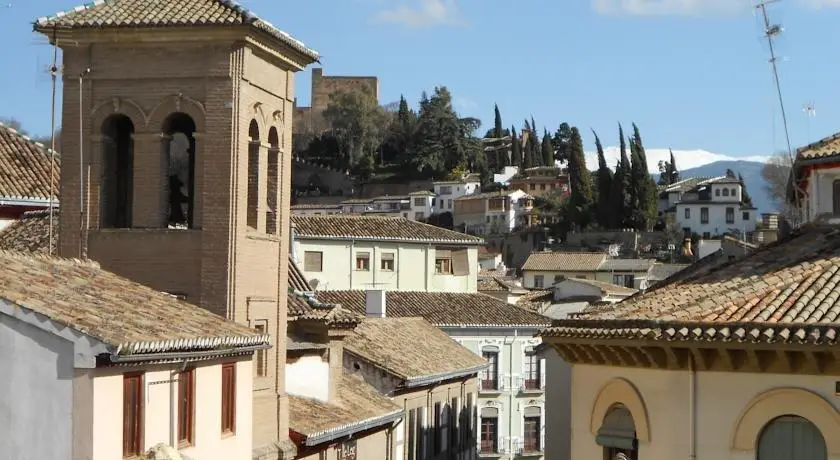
(183, 109)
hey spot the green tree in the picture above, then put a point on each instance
(561, 142)
(443, 141)
(397, 143)
(515, 148)
(746, 199)
(535, 145)
(668, 173)
(547, 149)
(497, 126)
(356, 120)
(643, 188)
(527, 140)
(604, 209)
(620, 187)
(581, 200)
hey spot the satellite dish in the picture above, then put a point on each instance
(314, 282)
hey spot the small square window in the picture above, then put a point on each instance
(386, 264)
(443, 266)
(363, 261)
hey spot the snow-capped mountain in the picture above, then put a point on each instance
(686, 159)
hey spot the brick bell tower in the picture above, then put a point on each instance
(176, 168)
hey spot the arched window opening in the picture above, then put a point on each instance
(272, 214)
(180, 159)
(617, 435)
(253, 174)
(791, 437)
(116, 183)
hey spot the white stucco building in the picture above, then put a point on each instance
(98, 367)
(493, 212)
(391, 253)
(447, 191)
(816, 173)
(712, 208)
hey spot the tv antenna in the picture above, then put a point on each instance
(810, 112)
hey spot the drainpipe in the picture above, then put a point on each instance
(426, 271)
(173, 420)
(692, 408)
(352, 262)
(510, 395)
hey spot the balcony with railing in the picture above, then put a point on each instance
(531, 384)
(490, 384)
(489, 448)
(528, 447)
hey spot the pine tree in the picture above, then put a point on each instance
(547, 149)
(605, 179)
(561, 141)
(746, 199)
(515, 148)
(581, 201)
(673, 173)
(497, 127)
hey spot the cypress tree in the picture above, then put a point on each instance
(547, 149)
(497, 127)
(620, 189)
(515, 148)
(673, 172)
(746, 199)
(580, 202)
(527, 140)
(605, 178)
(642, 185)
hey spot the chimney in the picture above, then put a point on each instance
(375, 303)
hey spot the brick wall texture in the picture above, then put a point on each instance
(222, 84)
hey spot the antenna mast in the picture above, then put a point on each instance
(53, 73)
(810, 111)
(771, 31)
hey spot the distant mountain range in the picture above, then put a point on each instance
(702, 163)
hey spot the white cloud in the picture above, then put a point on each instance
(422, 14)
(821, 3)
(672, 7)
(686, 159)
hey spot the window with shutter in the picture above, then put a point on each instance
(186, 407)
(229, 398)
(460, 262)
(313, 261)
(132, 414)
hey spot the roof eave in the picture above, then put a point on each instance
(479, 242)
(413, 382)
(351, 428)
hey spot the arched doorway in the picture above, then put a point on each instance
(178, 129)
(617, 435)
(116, 182)
(791, 437)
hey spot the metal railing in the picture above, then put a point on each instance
(527, 446)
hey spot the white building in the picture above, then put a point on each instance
(817, 179)
(507, 173)
(447, 191)
(511, 407)
(493, 212)
(414, 206)
(391, 253)
(108, 368)
(422, 204)
(714, 207)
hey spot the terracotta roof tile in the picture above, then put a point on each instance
(442, 308)
(112, 309)
(25, 167)
(785, 291)
(410, 348)
(297, 281)
(356, 402)
(376, 228)
(30, 233)
(564, 261)
(166, 13)
(606, 288)
(309, 307)
(823, 148)
(535, 299)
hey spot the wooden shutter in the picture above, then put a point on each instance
(460, 262)
(313, 261)
(228, 398)
(132, 414)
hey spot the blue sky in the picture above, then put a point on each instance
(692, 73)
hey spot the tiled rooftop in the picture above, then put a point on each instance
(410, 348)
(786, 291)
(442, 308)
(306, 307)
(376, 228)
(165, 13)
(356, 402)
(823, 148)
(606, 288)
(112, 309)
(564, 261)
(25, 167)
(30, 233)
(535, 299)
(297, 281)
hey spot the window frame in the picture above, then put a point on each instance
(228, 399)
(687, 213)
(307, 268)
(261, 356)
(364, 258)
(186, 408)
(383, 258)
(532, 379)
(730, 212)
(491, 372)
(443, 265)
(745, 215)
(539, 281)
(487, 446)
(534, 445)
(704, 215)
(133, 447)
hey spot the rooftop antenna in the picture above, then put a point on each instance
(771, 32)
(810, 111)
